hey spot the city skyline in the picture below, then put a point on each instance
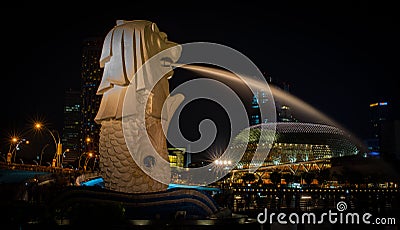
(338, 58)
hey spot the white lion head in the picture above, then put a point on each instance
(127, 47)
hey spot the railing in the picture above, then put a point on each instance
(36, 168)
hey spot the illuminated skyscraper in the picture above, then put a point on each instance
(379, 115)
(390, 141)
(91, 76)
(283, 113)
(384, 132)
(258, 99)
(379, 112)
(72, 132)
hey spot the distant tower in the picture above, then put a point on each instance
(379, 114)
(283, 111)
(71, 135)
(255, 113)
(259, 98)
(91, 76)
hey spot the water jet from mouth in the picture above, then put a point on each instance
(299, 108)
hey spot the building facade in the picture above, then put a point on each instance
(260, 98)
(290, 148)
(91, 75)
(379, 117)
(72, 132)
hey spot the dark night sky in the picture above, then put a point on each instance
(338, 56)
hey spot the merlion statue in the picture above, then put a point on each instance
(135, 112)
(126, 48)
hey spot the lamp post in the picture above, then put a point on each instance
(9, 154)
(57, 143)
(63, 156)
(89, 144)
(13, 153)
(89, 155)
(41, 153)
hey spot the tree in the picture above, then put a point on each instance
(352, 177)
(248, 177)
(296, 178)
(323, 176)
(289, 178)
(308, 177)
(275, 177)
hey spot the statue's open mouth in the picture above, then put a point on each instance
(166, 62)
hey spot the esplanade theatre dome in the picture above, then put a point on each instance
(292, 142)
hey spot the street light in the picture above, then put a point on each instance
(41, 153)
(80, 158)
(17, 142)
(90, 155)
(57, 142)
(14, 140)
(63, 155)
(89, 142)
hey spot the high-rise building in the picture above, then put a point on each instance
(379, 115)
(283, 112)
(259, 98)
(390, 141)
(91, 77)
(384, 132)
(72, 132)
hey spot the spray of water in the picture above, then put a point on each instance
(299, 108)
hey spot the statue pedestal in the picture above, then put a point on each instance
(82, 205)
